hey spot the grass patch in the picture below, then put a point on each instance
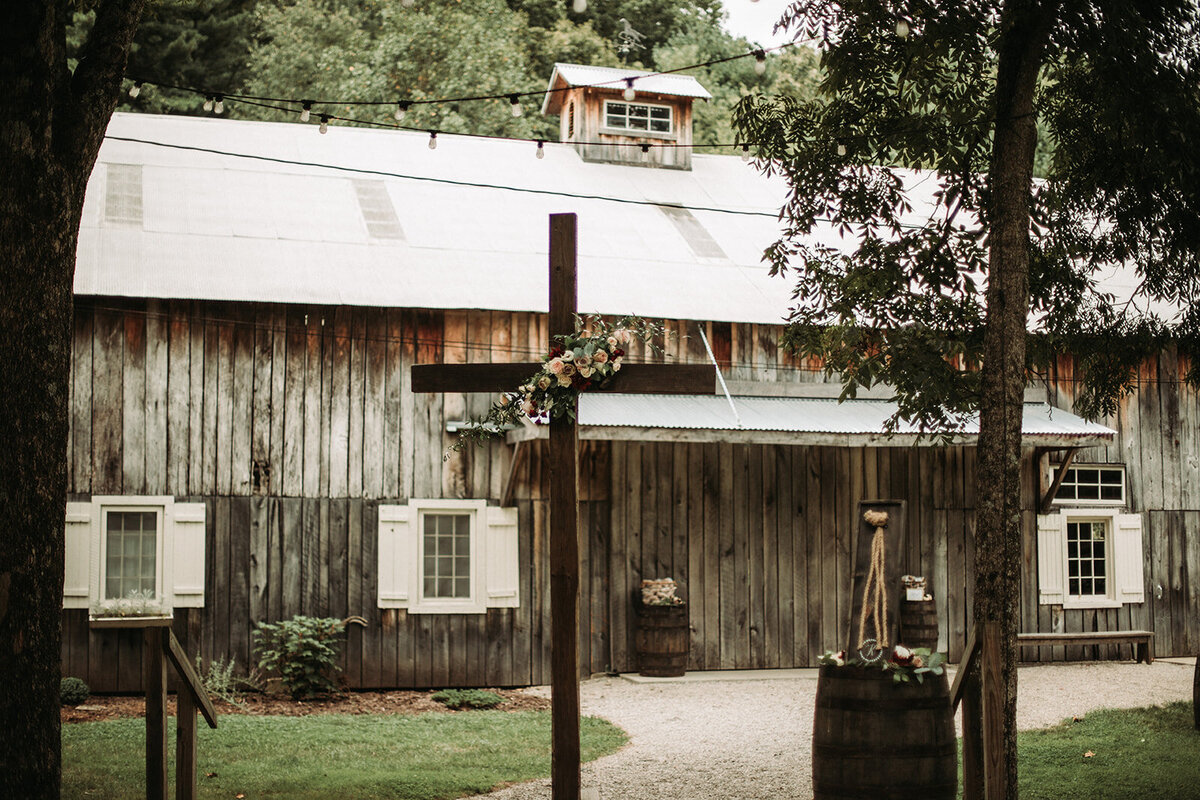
(364, 757)
(1144, 752)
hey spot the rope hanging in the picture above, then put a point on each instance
(874, 601)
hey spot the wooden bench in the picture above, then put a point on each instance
(1144, 640)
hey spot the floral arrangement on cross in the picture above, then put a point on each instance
(587, 359)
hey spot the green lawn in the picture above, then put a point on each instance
(1139, 753)
(333, 757)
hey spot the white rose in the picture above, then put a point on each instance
(568, 356)
(616, 364)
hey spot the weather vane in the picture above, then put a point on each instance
(628, 39)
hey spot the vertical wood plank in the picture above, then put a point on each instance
(295, 465)
(356, 446)
(713, 549)
(157, 388)
(263, 353)
(178, 395)
(277, 321)
(197, 439)
(239, 579)
(377, 457)
(156, 714)
(81, 400)
(227, 374)
(314, 377)
(337, 361)
(133, 405)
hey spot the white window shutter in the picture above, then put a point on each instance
(1051, 538)
(503, 571)
(187, 522)
(1130, 559)
(395, 555)
(78, 535)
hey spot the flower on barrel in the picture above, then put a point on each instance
(904, 663)
(585, 359)
(660, 592)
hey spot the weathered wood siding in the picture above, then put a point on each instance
(294, 423)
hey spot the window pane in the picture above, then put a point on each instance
(1066, 491)
(1088, 492)
(660, 113)
(131, 560)
(1111, 477)
(1099, 585)
(1110, 493)
(639, 111)
(1088, 476)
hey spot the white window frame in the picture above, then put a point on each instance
(1054, 469)
(493, 554)
(1109, 598)
(160, 558)
(667, 134)
(1124, 558)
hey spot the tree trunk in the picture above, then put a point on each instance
(1024, 29)
(51, 126)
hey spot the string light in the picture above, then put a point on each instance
(541, 150)
(515, 99)
(136, 89)
(745, 152)
(433, 140)
(401, 110)
(219, 104)
(579, 6)
(760, 62)
(629, 92)
(208, 103)
(324, 124)
(841, 149)
(902, 27)
(306, 111)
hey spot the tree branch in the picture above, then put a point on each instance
(96, 84)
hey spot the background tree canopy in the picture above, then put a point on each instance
(368, 50)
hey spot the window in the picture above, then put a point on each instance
(1090, 558)
(123, 194)
(447, 557)
(637, 117)
(377, 210)
(131, 553)
(1092, 484)
(149, 547)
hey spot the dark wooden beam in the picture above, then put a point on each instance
(1048, 499)
(633, 378)
(564, 535)
(174, 651)
(156, 713)
(510, 482)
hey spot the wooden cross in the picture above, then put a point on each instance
(564, 485)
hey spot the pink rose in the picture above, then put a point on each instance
(555, 365)
(568, 370)
(600, 356)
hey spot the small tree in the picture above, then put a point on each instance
(939, 306)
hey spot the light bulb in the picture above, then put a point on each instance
(629, 92)
(841, 149)
(208, 104)
(324, 124)
(745, 152)
(407, 3)
(579, 6)
(401, 110)
(516, 104)
(902, 28)
(541, 151)
(433, 140)
(136, 89)
(219, 104)
(760, 62)
(305, 110)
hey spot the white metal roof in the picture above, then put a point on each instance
(794, 420)
(226, 228)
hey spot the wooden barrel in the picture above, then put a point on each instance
(662, 640)
(919, 624)
(877, 739)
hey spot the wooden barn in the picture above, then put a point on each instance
(245, 444)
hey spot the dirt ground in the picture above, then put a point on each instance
(99, 707)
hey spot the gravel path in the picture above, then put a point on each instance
(750, 740)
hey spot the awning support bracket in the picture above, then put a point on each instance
(1048, 499)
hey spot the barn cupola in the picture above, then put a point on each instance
(608, 113)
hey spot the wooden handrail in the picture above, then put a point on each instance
(970, 654)
(191, 680)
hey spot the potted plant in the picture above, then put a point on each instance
(140, 608)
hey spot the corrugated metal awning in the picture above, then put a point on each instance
(793, 420)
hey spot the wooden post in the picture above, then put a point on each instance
(156, 713)
(972, 737)
(564, 533)
(185, 745)
(995, 779)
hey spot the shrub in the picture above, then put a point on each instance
(473, 698)
(220, 681)
(304, 650)
(73, 691)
